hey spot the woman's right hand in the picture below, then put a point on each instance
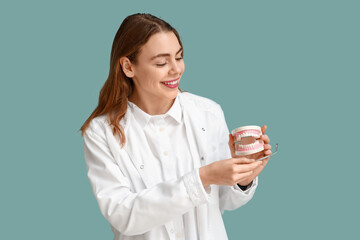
(228, 172)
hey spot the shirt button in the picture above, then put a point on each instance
(202, 158)
(141, 166)
(203, 129)
(172, 230)
(166, 153)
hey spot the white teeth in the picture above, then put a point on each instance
(171, 83)
(249, 134)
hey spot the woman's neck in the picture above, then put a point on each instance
(152, 106)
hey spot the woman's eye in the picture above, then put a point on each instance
(163, 64)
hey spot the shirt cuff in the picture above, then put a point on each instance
(246, 188)
(197, 193)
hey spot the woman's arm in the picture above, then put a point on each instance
(232, 197)
(133, 213)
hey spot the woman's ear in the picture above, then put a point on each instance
(127, 67)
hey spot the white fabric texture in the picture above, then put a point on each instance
(151, 188)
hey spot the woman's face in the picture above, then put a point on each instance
(159, 68)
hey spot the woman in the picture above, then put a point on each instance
(158, 158)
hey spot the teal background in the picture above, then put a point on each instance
(293, 65)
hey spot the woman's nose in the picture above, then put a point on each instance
(175, 67)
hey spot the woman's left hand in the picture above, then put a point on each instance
(265, 152)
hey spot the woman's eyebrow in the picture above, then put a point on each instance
(165, 54)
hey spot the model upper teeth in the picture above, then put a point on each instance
(171, 83)
(250, 134)
(254, 134)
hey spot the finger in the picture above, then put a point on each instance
(257, 155)
(242, 176)
(231, 145)
(265, 138)
(261, 167)
(264, 162)
(241, 168)
(258, 170)
(268, 152)
(267, 147)
(263, 129)
(231, 138)
(242, 160)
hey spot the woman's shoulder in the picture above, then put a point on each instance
(201, 103)
(98, 125)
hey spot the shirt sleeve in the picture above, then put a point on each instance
(133, 213)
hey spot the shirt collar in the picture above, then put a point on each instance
(175, 111)
(143, 118)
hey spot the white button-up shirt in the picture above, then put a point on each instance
(171, 159)
(151, 188)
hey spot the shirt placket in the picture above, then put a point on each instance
(168, 162)
(165, 152)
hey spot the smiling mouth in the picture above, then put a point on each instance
(172, 83)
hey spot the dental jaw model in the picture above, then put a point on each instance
(247, 140)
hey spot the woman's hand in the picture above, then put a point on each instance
(229, 171)
(265, 152)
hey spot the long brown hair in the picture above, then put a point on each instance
(132, 34)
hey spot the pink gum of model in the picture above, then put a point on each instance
(247, 140)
